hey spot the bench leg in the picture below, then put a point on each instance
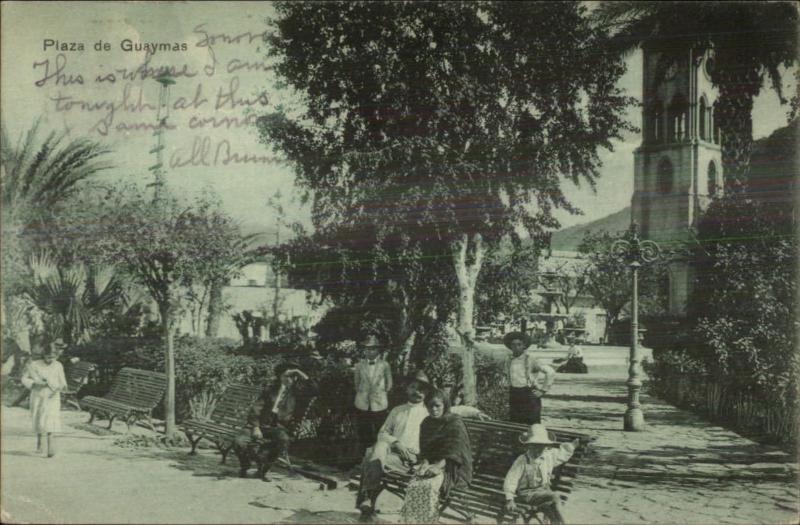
(91, 416)
(193, 442)
(111, 419)
(150, 423)
(224, 451)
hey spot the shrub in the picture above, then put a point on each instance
(667, 365)
(744, 297)
(203, 367)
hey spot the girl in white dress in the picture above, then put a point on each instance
(45, 379)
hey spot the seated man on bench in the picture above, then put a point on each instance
(267, 434)
(528, 479)
(397, 446)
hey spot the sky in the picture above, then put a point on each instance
(222, 81)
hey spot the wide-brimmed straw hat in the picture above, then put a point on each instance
(536, 435)
(510, 336)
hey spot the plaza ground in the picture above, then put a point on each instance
(680, 470)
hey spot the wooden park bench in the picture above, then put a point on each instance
(229, 417)
(133, 396)
(495, 445)
(226, 420)
(77, 375)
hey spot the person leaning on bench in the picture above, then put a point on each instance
(397, 446)
(266, 436)
(528, 479)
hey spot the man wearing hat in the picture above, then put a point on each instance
(266, 436)
(527, 387)
(396, 448)
(528, 479)
(373, 380)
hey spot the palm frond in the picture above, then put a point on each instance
(37, 175)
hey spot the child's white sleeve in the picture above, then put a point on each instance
(564, 452)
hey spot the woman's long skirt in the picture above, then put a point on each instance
(421, 504)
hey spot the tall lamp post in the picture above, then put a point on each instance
(636, 253)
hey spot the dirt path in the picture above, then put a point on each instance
(681, 470)
(93, 481)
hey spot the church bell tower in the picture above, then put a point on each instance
(677, 168)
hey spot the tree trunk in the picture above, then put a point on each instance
(169, 368)
(467, 275)
(404, 355)
(214, 309)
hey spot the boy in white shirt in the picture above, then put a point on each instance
(528, 479)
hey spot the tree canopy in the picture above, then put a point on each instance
(440, 119)
(443, 125)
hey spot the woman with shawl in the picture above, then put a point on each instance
(445, 462)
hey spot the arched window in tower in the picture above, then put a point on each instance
(715, 133)
(678, 110)
(702, 116)
(656, 122)
(712, 179)
(664, 180)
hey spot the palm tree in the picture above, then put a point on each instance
(35, 177)
(70, 297)
(750, 41)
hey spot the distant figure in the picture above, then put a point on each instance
(445, 462)
(527, 387)
(574, 363)
(45, 379)
(528, 479)
(373, 381)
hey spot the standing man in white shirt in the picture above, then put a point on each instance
(396, 448)
(373, 381)
(529, 380)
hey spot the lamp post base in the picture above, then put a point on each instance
(634, 420)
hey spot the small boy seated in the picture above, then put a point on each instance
(528, 479)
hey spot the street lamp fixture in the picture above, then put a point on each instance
(636, 253)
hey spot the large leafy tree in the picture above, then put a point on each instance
(451, 124)
(751, 42)
(391, 291)
(507, 283)
(167, 247)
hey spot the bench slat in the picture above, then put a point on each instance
(495, 446)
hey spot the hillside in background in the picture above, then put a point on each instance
(570, 238)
